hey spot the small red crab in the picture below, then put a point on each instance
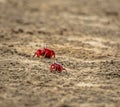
(47, 53)
(57, 67)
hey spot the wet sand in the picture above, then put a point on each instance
(86, 38)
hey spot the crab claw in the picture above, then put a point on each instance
(38, 53)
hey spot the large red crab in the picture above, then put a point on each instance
(47, 53)
(57, 67)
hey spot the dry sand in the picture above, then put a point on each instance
(86, 37)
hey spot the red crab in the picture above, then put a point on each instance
(57, 67)
(47, 53)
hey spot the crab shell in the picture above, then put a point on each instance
(47, 53)
(56, 67)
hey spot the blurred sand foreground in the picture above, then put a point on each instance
(86, 37)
